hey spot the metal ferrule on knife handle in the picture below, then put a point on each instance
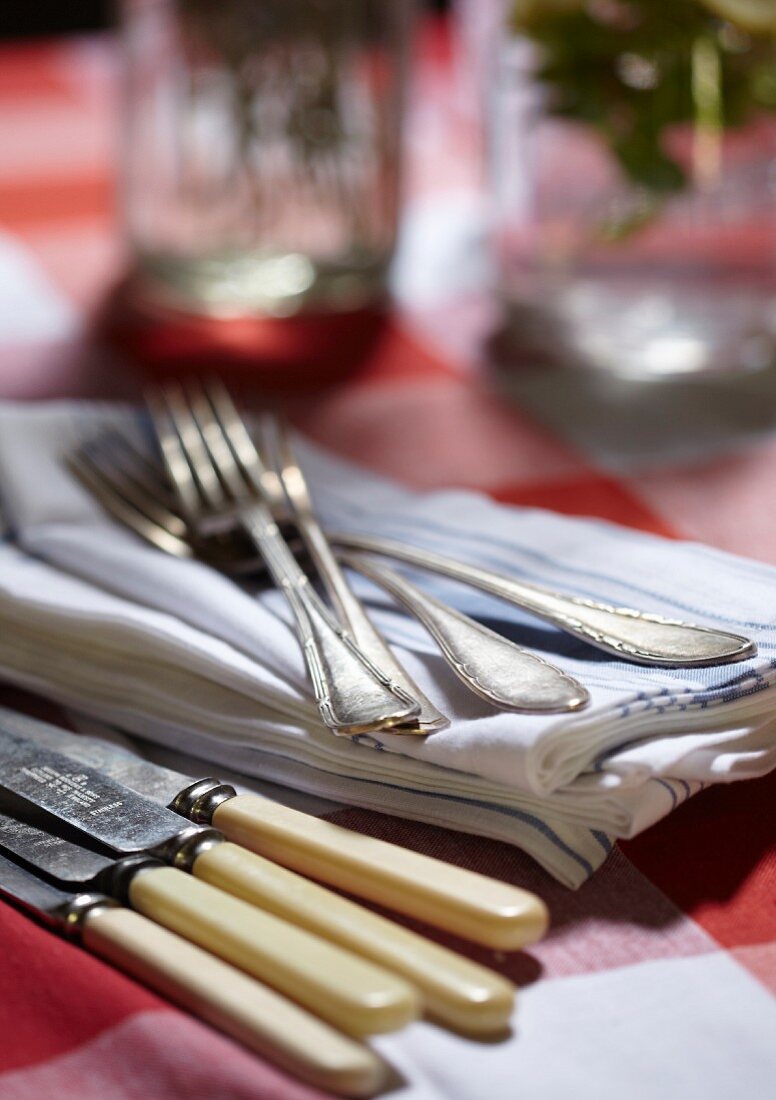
(185, 848)
(116, 879)
(200, 801)
(72, 916)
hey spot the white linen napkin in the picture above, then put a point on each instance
(176, 653)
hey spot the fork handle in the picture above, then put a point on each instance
(491, 666)
(632, 635)
(352, 694)
(361, 629)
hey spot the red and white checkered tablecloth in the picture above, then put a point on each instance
(654, 978)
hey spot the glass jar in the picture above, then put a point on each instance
(261, 151)
(633, 174)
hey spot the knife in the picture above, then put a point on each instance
(468, 904)
(457, 992)
(352, 993)
(198, 982)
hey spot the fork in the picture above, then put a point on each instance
(506, 676)
(631, 635)
(290, 501)
(201, 453)
(494, 668)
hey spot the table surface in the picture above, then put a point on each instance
(654, 979)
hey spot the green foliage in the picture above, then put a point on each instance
(630, 69)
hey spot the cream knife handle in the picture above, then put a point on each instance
(634, 635)
(457, 992)
(348, 992)
(234, 1003)
(463, 902)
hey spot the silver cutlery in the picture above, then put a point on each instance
(501, 673)
(289, 499)
(627, 633)
(149, 849)
(637, 636)
(131, 490)
(202, 463)
(194, 979)
(632, 635)
(490, 665)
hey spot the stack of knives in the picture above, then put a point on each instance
(202, 893)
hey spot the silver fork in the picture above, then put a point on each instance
(629, 634)
(491, 666)
(200, 455)
(290, 501)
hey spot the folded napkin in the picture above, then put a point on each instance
(174, 652)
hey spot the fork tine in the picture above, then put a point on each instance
(266, 445)
(125, 510)
(293, 480)
(217, 443)
(193, 445)
(135, 459)
(242, 446)
(93, 455)
(184, 451)
(173, 457)
(135, 477)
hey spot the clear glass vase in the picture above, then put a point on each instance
(261, 151)
(598, 270)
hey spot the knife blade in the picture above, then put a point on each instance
(478, 908)
(455, 991)
(197, 981)
(352, 993)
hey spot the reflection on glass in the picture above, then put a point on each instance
(262, 150)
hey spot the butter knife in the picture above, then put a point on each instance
(195, 980)
(631, 635)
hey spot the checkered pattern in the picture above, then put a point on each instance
(661, 963)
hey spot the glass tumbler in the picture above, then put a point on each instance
(261, 151)
(632, 157)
